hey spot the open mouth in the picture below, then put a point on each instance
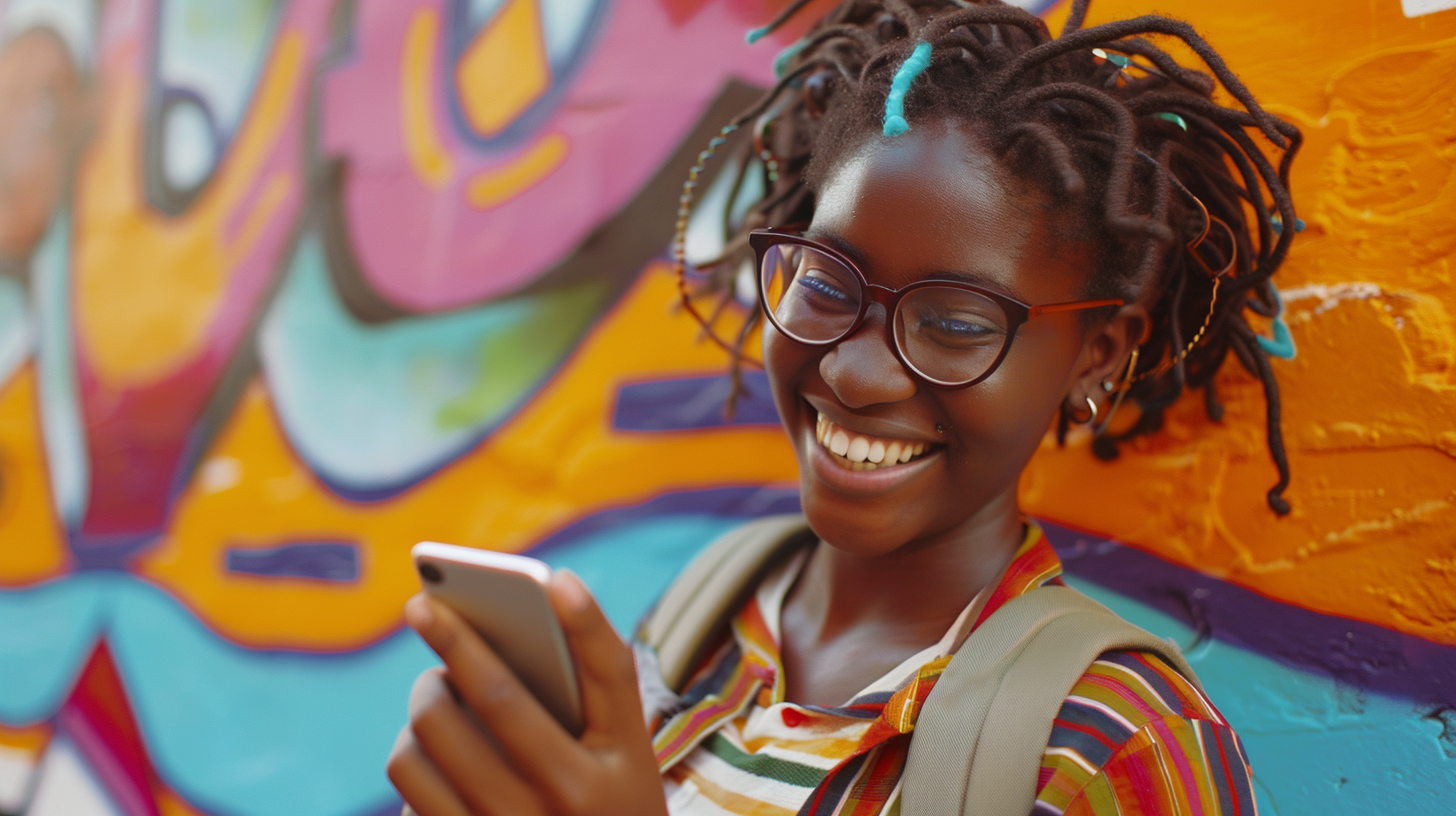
(855, 451)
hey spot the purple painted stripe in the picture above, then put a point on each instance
(745, 502)
(1355, 652)
(692, 402)
(318, 560)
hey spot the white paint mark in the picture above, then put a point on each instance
(220, 473)
(66, 787)
(17, 770)
(1331, 295)
(1417, 8)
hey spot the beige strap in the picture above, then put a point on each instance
(713, 587)
(980, 737)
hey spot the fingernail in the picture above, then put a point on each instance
(577, 595)
(417, 613)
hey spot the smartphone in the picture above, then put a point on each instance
(504, 598)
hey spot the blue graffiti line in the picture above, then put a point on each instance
(60, 403)
(321, 560)
(662, 535)
(692, 402)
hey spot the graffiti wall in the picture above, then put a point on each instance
(289, 285)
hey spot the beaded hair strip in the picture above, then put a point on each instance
(679, 239)
(1217, 275)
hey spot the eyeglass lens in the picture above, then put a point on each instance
(948, 335)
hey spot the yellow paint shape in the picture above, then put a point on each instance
(148, 288)
(25, 740)
(504, 69)
(557, 461)
(417, 90)
(171, 803)
(32, 542)
(493, 187)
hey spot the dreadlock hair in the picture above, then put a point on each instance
(1128, 143)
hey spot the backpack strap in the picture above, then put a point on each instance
(1001, 693)
(713, 587)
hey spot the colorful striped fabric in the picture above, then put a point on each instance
(1133, 737)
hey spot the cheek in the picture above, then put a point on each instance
(785, 362)
(1015, 407)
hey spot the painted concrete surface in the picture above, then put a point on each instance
(288, 286)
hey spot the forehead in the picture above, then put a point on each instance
(935, 200)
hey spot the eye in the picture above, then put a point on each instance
(959, 330)
(822, 286)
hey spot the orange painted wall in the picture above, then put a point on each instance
(1369, 404)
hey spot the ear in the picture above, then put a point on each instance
(1106, 349)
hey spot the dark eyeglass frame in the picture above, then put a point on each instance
(1016, 312)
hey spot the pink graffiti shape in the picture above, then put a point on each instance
(137, 435)
(644, 83)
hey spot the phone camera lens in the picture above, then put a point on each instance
(431, 573)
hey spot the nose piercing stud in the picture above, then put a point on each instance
(939, 429)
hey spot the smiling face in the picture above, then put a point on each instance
(932, 203)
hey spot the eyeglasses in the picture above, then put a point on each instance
(947, 332)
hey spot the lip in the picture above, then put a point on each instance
(870, 426)
(862, 482)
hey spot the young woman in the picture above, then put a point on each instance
(973, 232)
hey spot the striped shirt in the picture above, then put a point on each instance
(1132, 737)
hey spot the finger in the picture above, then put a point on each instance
(605, 670)
(425, 791)
(532, 740)
(462, 753)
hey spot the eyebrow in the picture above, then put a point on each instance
(973, 278)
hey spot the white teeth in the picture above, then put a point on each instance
(864, 453)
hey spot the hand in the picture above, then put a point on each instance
(523, 761)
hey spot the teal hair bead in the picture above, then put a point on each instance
(1278, 224)
(781, 62)
(913, 67)
(1281, 345)
(1169, 116)
(756, 34)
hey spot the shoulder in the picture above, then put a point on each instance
(1134, 736)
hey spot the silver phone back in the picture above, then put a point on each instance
(504, 598)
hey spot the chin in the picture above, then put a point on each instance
(858, 527)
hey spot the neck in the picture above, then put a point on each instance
(918, 588)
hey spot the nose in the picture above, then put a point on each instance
(863, 370)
